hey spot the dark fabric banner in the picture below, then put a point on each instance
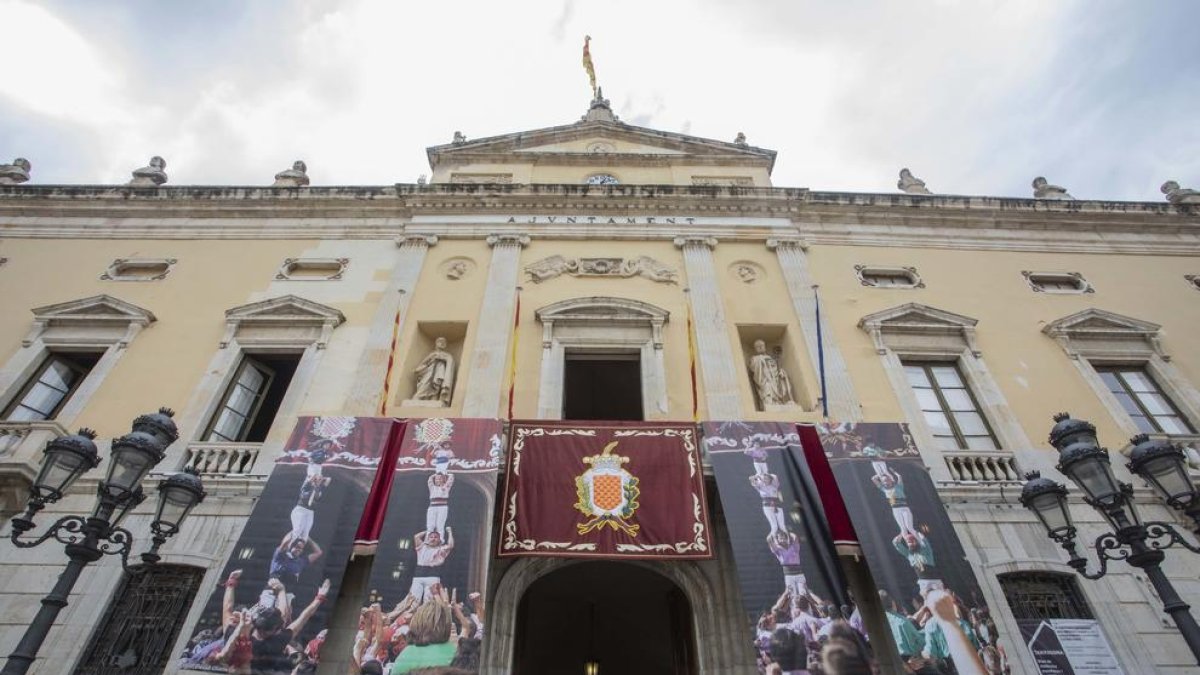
(793, 588)
(604, 490)
(934, 605)
(425, 604)
(269, 613)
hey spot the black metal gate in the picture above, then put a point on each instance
(1044, 595)
(142, 622)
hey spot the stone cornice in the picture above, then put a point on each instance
(959, 222)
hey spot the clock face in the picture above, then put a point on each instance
(602, 179)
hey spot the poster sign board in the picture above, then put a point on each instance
(1069, 647)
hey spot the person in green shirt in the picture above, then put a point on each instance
(909, 641)
(430, 643)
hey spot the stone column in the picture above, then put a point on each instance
(842, 401)
(713, 350)
(493, 329)
(372, 363)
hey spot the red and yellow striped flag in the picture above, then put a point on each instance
(587, 63)
(692, 362)
(512, 365)
(391, 362)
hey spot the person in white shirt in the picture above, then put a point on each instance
(431, 554)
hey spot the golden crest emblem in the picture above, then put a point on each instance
(608, 494)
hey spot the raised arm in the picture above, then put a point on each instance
(449, 536)
(227, 599)
(316, 552)
(962, 652)
(298, 625)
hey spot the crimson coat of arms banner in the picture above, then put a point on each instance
(606, 490)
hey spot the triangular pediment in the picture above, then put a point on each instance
(916, 315)
(603, 309)
(1098, 321)
(286, 308)
(604, 138)
(94, 308)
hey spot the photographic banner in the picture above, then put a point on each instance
(604, 490)
(1069, 647)
(793, 588)
(425, 604)
(934, 605)
(269, 612)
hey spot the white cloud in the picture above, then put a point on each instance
(976, 97)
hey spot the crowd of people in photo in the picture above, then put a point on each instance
(801, 632)
(264, 636)
(937, 633)
(430, 627)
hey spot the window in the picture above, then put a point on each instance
(312, 269)
(249, 405)
(1143, 400)
(948, 406)
(138, 269)
(143, 620)
(889, 277)
(1044, 595)
(51, 387)
(1058, 282)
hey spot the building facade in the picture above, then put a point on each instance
(119, 299)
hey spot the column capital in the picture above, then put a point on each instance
(695, 241)
(508, 239)
(416, 239)
(796, 243)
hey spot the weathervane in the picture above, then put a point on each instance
(589, 66)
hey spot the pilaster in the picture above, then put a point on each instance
(372, 363)
(493, 329)
(714, 352)
(793, 261)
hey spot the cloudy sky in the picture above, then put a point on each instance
(976, 96)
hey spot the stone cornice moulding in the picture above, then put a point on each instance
(916, 319)
(784, 243)
(696, 241)
(416, 239)
(283, 312)
(520, 240)
(93, 310)
(1072, 331)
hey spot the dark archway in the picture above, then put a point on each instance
(630, 619)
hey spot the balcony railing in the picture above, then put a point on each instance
(222, 459)
(983, 467)
(12, 434)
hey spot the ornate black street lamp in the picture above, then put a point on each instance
(100, 534)
(1162, 465)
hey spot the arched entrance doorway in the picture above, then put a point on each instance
(624, 616)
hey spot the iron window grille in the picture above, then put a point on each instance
(1044, 595)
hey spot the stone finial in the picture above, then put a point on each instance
(15, 173)
(600, 110)
(150, 176)
(740, 139)
(459, 138)
(1175, 194)
(297, 176)
(422, 179)
(1044, 190)
(911, 184)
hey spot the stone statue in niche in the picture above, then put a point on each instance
(1175, 194)
(435, 375)
(153, 175)
(15, 173)
(297, 176)
(1044, 190)
(771, 382)
(912, 185)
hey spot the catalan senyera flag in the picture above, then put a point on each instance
(691, 330)
(391, 363)
(587, 63)
(512, 357)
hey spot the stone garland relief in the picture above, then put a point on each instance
(641, 266)
(455, 269)
(746, 272)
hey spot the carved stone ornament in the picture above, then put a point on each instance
(910, 184)
(1175, 194)
(457, 268)
(152, 175)
(746, 272)
(15, 173)
(1044, 190)
(600, 147)
(297, 176)
(1193, 280)
(641, 266)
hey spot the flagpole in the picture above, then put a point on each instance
(821, 354)
(391, 361)
(691, 335)
(512, 367)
